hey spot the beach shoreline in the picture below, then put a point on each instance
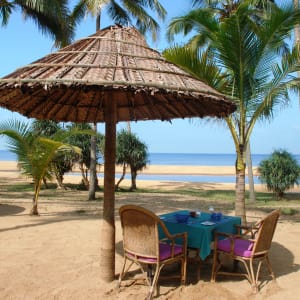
(11, 166)
(10, 169)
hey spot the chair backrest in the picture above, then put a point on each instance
(140, 231)
(264, 236)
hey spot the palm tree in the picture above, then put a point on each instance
(63, 161)
(244, 59)
(51, 17)
(131, 152)
(223, 9)
(123, 12)
(35, 153)
(83, 141)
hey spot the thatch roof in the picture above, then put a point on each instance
(114, 64)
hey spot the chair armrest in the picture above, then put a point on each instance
(232, 238)
(247, 230)
(172, 237)
(218, 234)
(171, 240)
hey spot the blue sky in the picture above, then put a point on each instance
(22, 43)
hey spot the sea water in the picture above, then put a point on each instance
(184, 159)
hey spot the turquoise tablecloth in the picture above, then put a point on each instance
(199, 236)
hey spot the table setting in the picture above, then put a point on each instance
(200, 227)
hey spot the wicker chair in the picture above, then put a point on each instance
(251, 245)
(143, 247)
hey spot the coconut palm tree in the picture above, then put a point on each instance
(62, 162)
(35, 153)
(51, 17)
(123, 12)
(246, 60)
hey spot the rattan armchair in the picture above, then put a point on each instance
(143, 247)
(250, 247)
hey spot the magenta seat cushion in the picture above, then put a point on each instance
(241, 247)
(165, 252)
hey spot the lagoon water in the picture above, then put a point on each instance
(187, 159)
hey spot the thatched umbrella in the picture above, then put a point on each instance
(110, 76)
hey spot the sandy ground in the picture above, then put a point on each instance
(57, 255)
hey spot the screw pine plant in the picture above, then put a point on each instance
(280, 172)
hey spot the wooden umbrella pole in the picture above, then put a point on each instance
(107, 259)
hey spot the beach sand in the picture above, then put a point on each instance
(57, 255)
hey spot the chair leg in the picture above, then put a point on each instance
(150, 274)
(252, 276)
(183, 271)
(154, 283)
(214, 267)
(122, 273)
(270, 267)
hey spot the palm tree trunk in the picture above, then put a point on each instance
(93, 172)
(250, 173)
(122, 177)
(133, 180)
(59, 183)
(297, 34)
(34, 209)
(240, 209)
(84, 176)
(107, 255)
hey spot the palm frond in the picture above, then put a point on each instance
(6, 10)
(117, 13)
(200, 64)
(144, 21)
(200, 20)
(51, 17)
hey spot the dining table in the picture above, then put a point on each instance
(200, 228)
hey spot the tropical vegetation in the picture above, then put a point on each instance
(122, 12)
(279, 172)
(51, 17)
(63, 161)
(37, 154)
(83, 141)
(246, 56)
(131, 152)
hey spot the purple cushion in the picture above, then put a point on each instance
(241, 247)
(165, 252)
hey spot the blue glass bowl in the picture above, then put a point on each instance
(181, 218)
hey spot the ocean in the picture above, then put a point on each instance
(181, 159)
(187, 159)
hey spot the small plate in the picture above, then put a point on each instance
(208, 223)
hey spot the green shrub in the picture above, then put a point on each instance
(288, 211)
(279, 172)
